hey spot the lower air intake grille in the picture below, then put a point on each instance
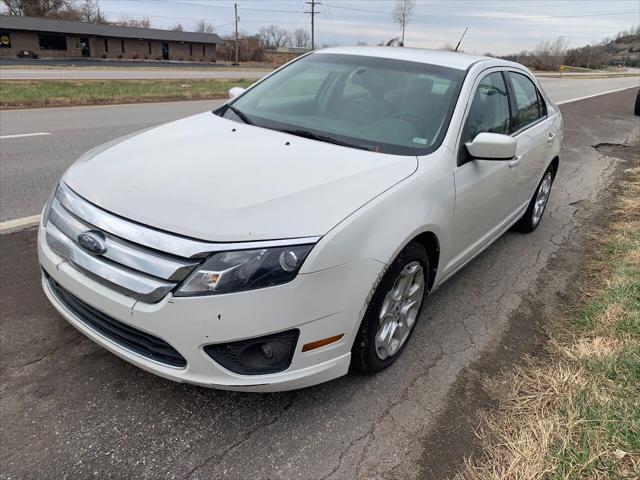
(119, 333)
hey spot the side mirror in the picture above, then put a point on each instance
(235, 91)
(492, 146)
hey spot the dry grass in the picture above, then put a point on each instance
(576, 412)
(58, 93)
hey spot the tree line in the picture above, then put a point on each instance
(622, 49)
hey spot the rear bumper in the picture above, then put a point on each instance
(321, 304)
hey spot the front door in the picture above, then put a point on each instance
(165, 51)
(84, 47)
(487, 197)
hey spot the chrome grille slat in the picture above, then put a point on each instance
(145, 288)
(123, 252)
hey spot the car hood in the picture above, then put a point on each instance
(213, 179)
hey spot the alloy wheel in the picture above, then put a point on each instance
(542, 197)
(399, 310)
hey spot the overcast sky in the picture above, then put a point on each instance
(497, 26)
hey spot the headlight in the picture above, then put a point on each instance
(47, 206)
(235, 271)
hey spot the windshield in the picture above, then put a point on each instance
(378, 104)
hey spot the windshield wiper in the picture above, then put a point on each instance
(240, 115)
(322, 138)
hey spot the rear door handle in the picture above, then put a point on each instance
(515, 161)
(550, 137)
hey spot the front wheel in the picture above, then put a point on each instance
(531, 218)
(393, 311)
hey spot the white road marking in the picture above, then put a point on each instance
(19, 223)
(594, 95)
(21, 135)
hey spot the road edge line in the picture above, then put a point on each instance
(23, 135)
(595, 95)
(19, 224)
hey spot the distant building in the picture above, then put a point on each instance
(50, 38)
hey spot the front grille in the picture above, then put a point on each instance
(137, 260)
(133, 260)
(132, 339)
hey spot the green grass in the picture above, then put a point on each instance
(49, 93)
(574, 413)
(606, 411)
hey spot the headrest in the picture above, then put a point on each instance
(372, 80)
(422, 85)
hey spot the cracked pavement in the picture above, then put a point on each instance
(70, 409)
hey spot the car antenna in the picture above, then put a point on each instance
(460, 41)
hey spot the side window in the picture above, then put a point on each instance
(529, 107)
(489, 110)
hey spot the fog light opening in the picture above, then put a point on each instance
(255, 356)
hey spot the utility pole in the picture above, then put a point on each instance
(313, 12)
(235, 5)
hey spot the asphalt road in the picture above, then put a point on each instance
(563, 89)
(31, 165)
(69, 409)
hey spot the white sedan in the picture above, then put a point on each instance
(296, 231)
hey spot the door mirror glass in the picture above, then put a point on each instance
(492, 146)
(235, 91)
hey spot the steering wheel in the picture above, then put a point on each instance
(409, 115)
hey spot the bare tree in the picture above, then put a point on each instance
(273, 36)
(204, 27)
(144, 23)
(550, 53)
(301, 38)
(38, 8)
(177, 27)
(90, 12)
(401, 13)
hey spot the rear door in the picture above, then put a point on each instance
(533, 132)
(487, 197)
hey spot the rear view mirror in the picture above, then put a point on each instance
(235, 91)
(492, 146)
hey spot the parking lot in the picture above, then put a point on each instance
(71, 409)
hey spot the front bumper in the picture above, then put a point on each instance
(320, 304)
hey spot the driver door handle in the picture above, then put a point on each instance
(515, 161)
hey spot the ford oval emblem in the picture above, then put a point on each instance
(93, 242)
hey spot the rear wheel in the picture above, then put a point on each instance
(531, 218)
(393, 311)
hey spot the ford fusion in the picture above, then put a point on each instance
(296, 231)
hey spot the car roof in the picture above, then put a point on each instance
(460, 61)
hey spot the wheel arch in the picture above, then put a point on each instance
(429, 240)
(555, 164)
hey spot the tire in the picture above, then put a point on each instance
(533, 215)
(637, 108)
(369, 355)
